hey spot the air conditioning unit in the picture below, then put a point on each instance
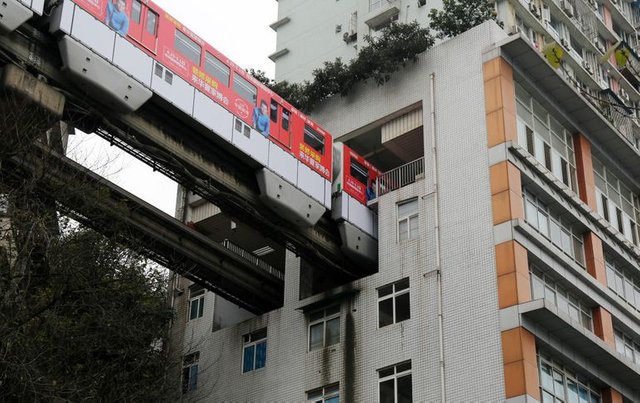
(350, 36)
(546, 14)
(624, 95)
(422, 3)
(565, 43)
(567, 7)
(514, 29)
(587, 67)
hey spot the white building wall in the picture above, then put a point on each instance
(313, 41)
(473, 353)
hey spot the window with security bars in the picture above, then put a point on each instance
(327, 394)
(623, 282)
(544, 286)
(394, 383)
(616, 202)
(394, 303)
(554, 226)
(196, 301)
(254, 351)
(190, 372)
(324, 328)
(561, 384)
(408, 225)
(545, 138)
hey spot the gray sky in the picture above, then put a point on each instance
(240, 30)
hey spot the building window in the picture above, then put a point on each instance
(254, 352)
(327, 394)
(394, 383)
(324, 328)
(408, 219)
(622, 282)
(393, 303)
(554, 227)
(196, 301)
(627, 347)
(545, 138)
(543, 286)
(558, 384)
(190, 372)
(616, 203)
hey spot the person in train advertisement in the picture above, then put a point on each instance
(117, 18)
(261, 118)
(371, 193)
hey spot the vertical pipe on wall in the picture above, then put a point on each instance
(436, 209)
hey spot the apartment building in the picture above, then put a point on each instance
(508, 258)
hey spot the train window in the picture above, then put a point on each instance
(152, 22)
(159, 70)
(286, 116)
(168, 77)
(274, 111)
(216, 68)
(313, 139)
(136, 11)
(245, 89)
(359, 172)
(188, 47)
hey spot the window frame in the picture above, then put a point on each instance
(245, 86)
(396, 375)
(327, 315)
(325, 394)
(218, 68)
(189, 366)
(393, 295)
(196, 298)
(254, 340)
(311, 133)
(408, 218)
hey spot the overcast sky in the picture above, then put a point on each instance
(237, 28)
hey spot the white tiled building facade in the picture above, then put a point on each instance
(516, 278)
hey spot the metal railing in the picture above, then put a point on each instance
(253, 259)
(399, 177)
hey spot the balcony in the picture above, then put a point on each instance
(381, 11)
(400, 177)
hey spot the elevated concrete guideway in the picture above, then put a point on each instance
(181, 148)
(112, 211)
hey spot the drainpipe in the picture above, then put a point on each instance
(436, 210)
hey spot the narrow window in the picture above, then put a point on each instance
(408, 220)
(136, 11)
(273, 113)
(217, 69)
(188, 47)
(286, 119)
(254, 352)
(190, 372)
(196, 302)
(152, 23)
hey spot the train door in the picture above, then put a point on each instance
(280, 128)
(143, 25)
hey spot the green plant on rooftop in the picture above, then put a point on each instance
(458, 16)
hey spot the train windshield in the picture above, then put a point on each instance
(313, 139)
(359, 172)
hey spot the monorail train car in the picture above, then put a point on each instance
(126, 51)
(353, 187)
(14, 13)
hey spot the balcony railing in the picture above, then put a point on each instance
(251, 258)
(399, 177)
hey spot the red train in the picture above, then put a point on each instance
(126, 52)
